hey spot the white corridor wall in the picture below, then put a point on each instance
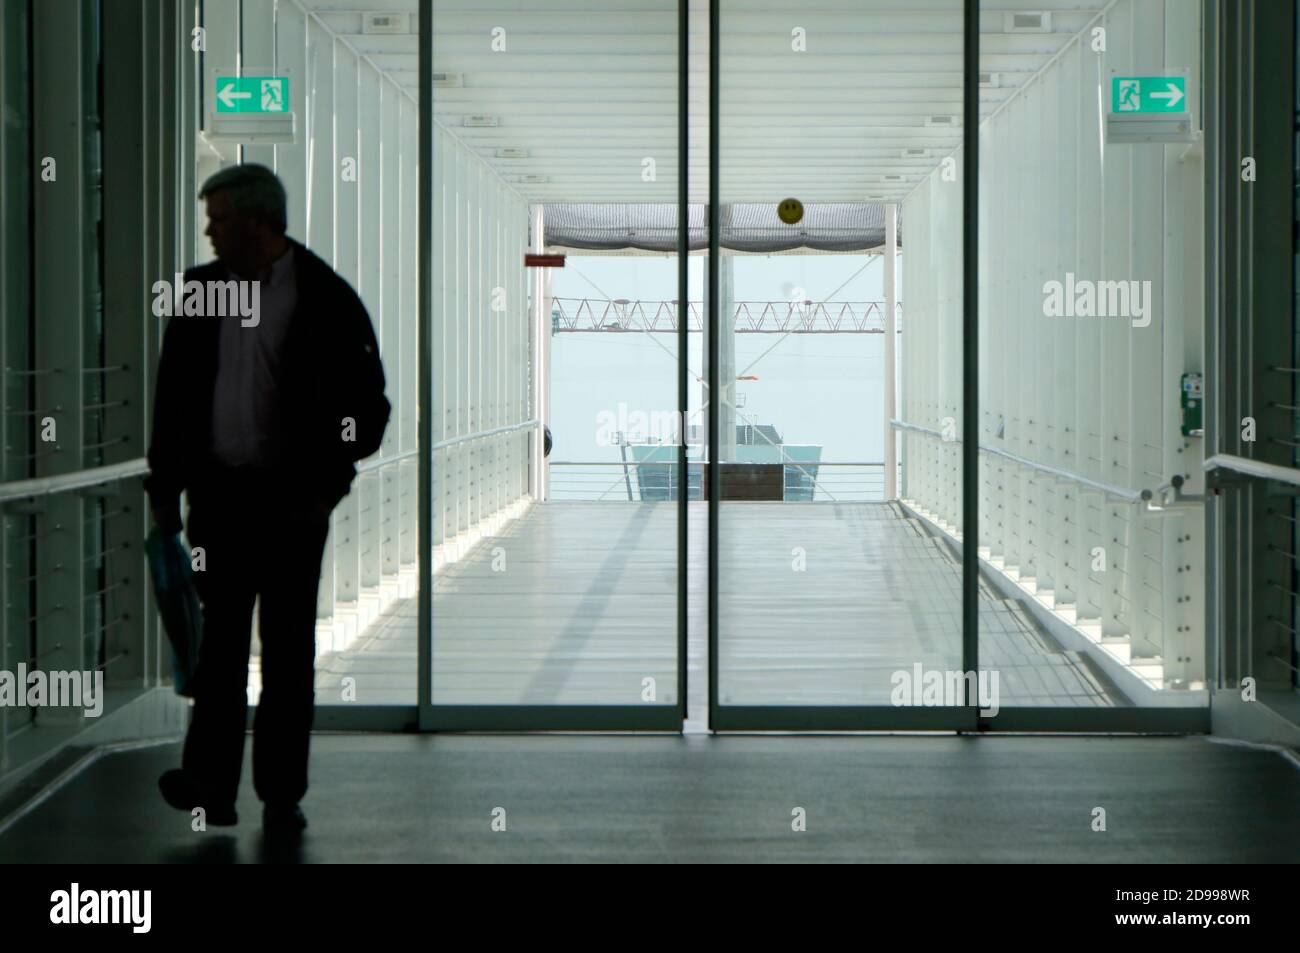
(352, 180)
(480, 348)
(1097, 397)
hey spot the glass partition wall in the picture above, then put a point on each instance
(818, 382)
(839, 201)
(1091, 486)
(555, 434)
(714, 332)
(349, 163)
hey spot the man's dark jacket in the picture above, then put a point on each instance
(329, 370)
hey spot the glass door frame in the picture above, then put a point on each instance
(966, 718)
(845, 717)
(671, 718)
(432, 716)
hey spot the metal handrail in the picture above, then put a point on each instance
(380, 464)
(615, 463)
(69, 482)
(115, 473)
(1255, 468)
(452, 441)
(1110, 489)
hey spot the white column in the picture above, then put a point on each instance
(534, 353)
(545, 370)
(541, 352)
(891, 452)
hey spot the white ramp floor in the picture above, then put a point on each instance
(819, 604)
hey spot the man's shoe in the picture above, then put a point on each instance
(283, 818)
(181, 793)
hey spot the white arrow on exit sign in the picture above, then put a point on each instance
(1172, 98)
(227, 95)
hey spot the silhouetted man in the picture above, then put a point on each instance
(260, 414)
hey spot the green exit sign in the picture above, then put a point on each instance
(252, 94)
(1148, 94)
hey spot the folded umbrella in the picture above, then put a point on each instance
(178, 604)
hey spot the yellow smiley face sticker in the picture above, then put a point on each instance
(790, 211)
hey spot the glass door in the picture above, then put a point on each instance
(836, 196)
(705, 274)
(554, 474)
(1091, 438)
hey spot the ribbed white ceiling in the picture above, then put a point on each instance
(589, 89)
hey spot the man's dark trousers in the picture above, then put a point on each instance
(257, 541)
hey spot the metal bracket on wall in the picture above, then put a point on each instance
(1171, 497)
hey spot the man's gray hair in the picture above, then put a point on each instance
(253, 188)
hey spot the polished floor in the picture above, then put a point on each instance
(563, 798)
(819, 604)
